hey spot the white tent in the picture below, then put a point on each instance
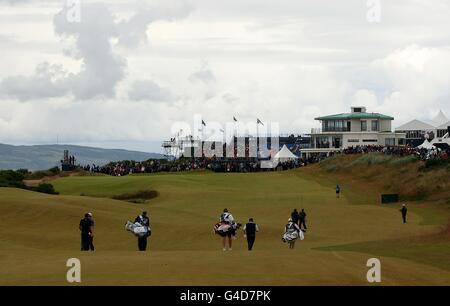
(439, 119)
(284, 155)
(426, 145)
(415, 125)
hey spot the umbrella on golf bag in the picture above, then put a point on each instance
(138, 229)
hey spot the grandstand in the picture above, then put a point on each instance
(238, 147)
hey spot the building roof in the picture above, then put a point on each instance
(440, 122)
(439, 119)
(415, 125)
(444, 126)
(348, 116)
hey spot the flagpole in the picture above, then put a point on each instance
(203, 127)
(257, 138)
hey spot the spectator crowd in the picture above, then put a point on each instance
(421, 153)
(241, 164)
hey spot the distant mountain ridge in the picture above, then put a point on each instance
(41, 157)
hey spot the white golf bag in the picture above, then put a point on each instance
(137, 229)
(289, 237)
(292, 233)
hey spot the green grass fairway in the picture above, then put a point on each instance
(40, 232)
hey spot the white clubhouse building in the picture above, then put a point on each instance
(357, 128)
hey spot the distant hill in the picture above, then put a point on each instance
(40, 157)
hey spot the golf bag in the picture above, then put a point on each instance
(138, 229)
(292, 233)
(223, 229)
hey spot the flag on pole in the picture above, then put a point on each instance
(234, 119)
(204, 123)
(259, 121)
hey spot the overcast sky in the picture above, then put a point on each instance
(124, 74)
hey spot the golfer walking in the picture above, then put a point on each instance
(250, 230)
(404, 211)
(302, 219)
(142, 239)
(87, 232)
(295, 216)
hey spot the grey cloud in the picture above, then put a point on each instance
(40, 85)
(133, 31)
(149, 90)
(102, 68)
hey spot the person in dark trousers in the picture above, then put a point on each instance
(250, 230)
(87, 232)
(144, 221)
(404, 211)
(302, 219)
(227, 218)
(91, 235)
(295, 216)
(338, 191)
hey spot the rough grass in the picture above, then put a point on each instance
(371, 159)
(392, 174)
(402, 161)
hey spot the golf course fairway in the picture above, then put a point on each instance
(39, 232)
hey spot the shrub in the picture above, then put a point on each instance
(23, 171)
(10, 178)
(37, 175)
(44, 188)
(437, 163)
(54, 170)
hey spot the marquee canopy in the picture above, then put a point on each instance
(285, 155)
